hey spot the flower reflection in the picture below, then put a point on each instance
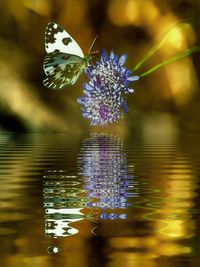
(107, 182)
(101, 190)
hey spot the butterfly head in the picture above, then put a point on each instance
(89, 57)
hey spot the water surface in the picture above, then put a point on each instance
(99, 200)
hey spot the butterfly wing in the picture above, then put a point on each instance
(64, 61)
(58, 40)
(62, 69)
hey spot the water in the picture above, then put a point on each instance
(99, 200)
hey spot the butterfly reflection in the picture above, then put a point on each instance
(101, 190)
(62, 202)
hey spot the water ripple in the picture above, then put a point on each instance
(60, 192)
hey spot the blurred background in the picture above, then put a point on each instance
(166, 101)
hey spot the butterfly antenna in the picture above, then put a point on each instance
(89, 52)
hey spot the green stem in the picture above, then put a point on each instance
(155, 48)
(149, 54)
(183, 54)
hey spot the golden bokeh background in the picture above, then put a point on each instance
(165, 101)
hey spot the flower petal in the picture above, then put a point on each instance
(133, 78)
(124, 106)
(88, 87)
(112, 55)
(104, 55)
(123, 59)
(81, 100)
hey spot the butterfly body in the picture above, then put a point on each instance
(64, 61)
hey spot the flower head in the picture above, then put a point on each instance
(108, 81)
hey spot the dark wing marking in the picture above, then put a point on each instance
(51, 31)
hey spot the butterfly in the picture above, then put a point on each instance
(65, 60)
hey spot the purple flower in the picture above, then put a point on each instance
(108, 81)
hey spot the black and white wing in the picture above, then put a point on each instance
(64, 61)
(62, 69)
(58, 40)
